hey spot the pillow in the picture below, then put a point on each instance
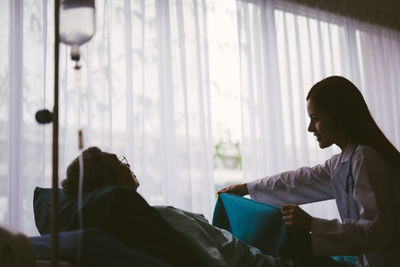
(255, 223)
(95, 206)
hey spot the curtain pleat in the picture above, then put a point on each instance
(208, 200)
(109, 72)
(90, 91)
(202, 58)
(167, 133)
(302, 110)
(277, 141)
(44, 85)
(289, 88)
(140, 159)
(16, 148)
(184, 83)
(130, 107)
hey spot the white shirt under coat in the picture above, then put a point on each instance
(376, 191)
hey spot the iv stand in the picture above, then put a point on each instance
(44, 116)
(54, 191)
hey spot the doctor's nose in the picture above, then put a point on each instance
(311, 127)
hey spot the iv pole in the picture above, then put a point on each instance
(54, 191)
(44, 116)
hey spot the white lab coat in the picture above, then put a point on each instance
(376, 191)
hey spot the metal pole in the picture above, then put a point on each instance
(54, 191)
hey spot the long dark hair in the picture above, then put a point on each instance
(344, 103)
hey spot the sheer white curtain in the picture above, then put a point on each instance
(284, 49)
(143, 92)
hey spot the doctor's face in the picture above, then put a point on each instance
(321, 125)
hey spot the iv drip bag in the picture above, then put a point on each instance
(77, 23)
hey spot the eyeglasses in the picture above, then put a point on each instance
(124, 161)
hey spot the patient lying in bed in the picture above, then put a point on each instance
(175, 236)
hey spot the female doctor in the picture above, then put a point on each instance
(364, 179)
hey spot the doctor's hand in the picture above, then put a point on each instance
(295, 217)
(235, 189)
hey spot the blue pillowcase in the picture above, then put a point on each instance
(96, 206)
(255, 223)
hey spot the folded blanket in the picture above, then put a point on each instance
(216, 246)
(255, 223)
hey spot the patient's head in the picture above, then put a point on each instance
(99, 169)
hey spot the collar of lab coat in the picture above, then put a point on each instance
(346, 154)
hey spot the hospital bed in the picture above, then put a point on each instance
(259, 239)
(215, 246)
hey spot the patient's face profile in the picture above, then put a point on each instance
(124, 176)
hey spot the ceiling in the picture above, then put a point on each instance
(390, 6)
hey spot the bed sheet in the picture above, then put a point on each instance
(99, 249)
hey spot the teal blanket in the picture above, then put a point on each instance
(216, 246)
(255, 223)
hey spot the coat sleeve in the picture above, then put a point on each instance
(304, 185)
(375, 227)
